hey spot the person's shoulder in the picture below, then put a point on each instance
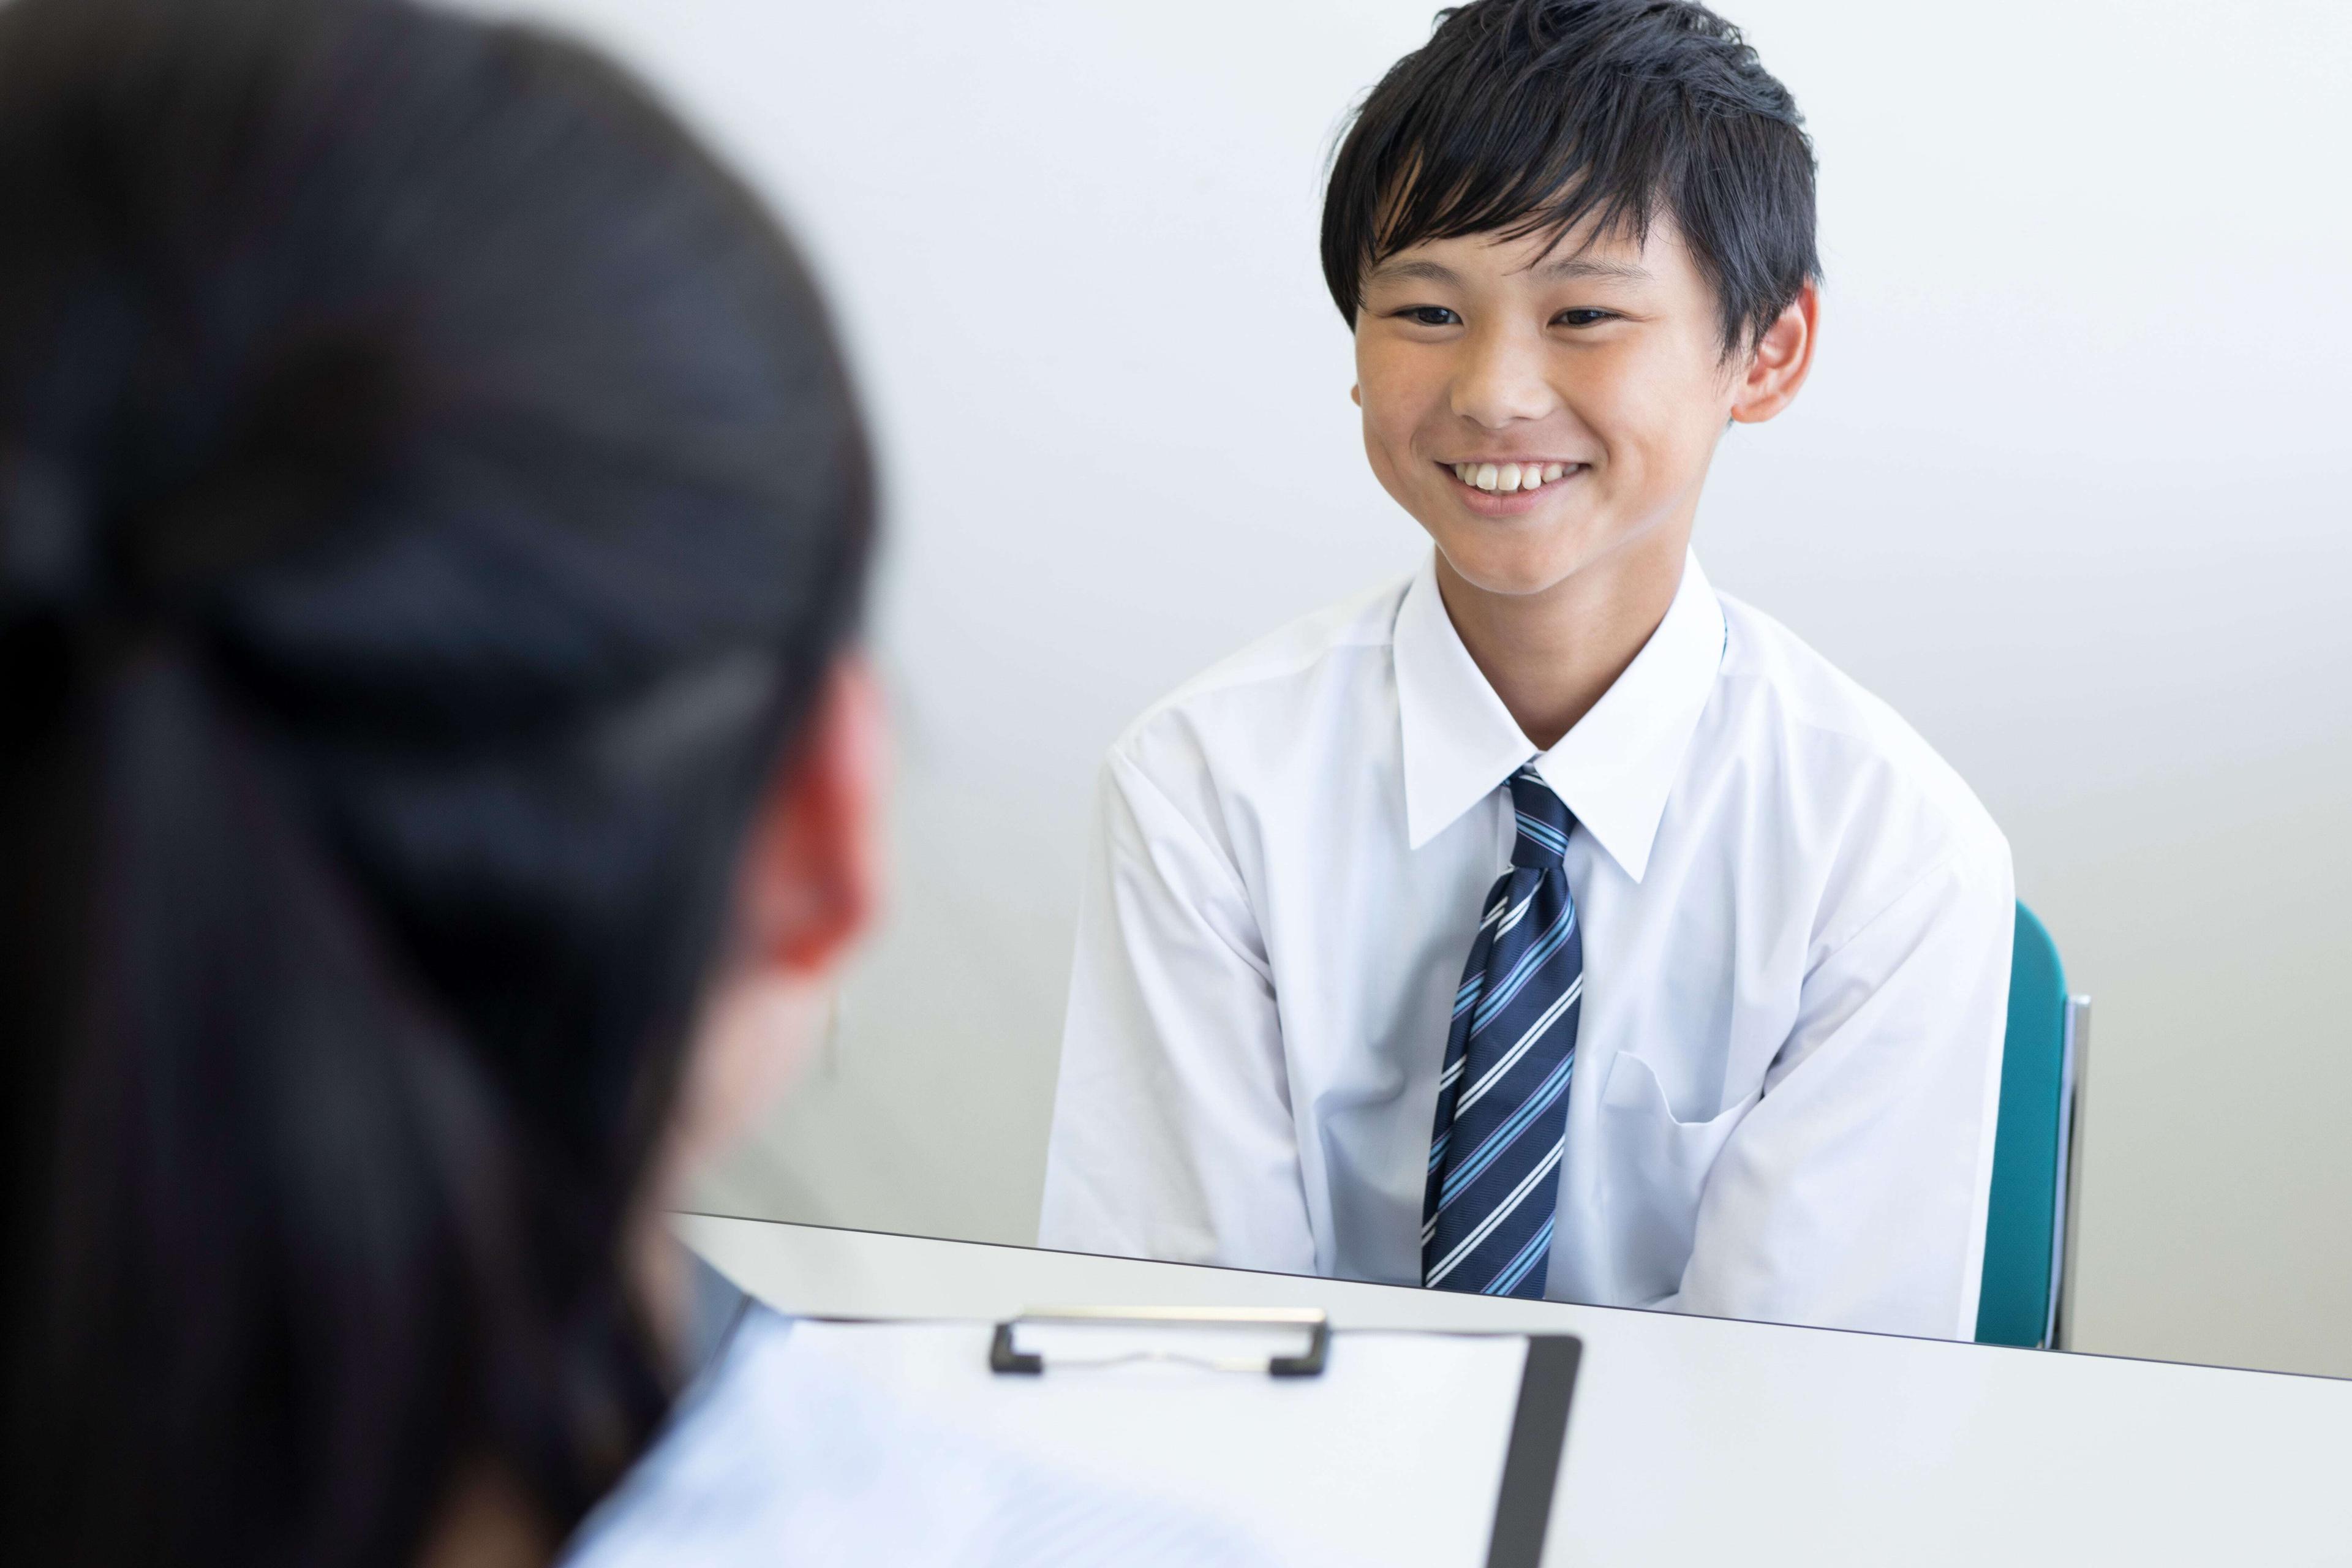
(1254, 700)
(1842, 752)
(780, 1454)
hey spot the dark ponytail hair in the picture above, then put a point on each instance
(430, 496)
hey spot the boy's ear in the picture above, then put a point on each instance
(813, 872)
(1782, 358)
(1356, 395)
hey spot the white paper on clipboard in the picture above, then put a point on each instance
(1392, 1455)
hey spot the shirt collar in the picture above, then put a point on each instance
(1613, 770)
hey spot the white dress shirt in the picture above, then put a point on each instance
(1796, 919)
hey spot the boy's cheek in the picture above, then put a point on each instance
(1388, 439)
(1396, 380)
(1391, 471)
(1400, 423)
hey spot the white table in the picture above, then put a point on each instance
(1700, 1441)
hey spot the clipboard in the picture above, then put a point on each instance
(1538, 1430)
(938, 1363)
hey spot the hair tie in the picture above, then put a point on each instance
(45, 548)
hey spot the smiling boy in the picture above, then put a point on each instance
(1550, 924)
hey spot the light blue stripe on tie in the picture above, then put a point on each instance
(1544, 1169)
(1544, 833)
(1516, 1269)
(1510, 1059)
(1521, 973)
(1501, 1137)
(1468, 995)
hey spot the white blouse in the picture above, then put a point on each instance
(773, 1458)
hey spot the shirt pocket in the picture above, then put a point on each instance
(1653, 1171)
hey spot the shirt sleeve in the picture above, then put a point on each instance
(1854, 1195)
(1172, 1135)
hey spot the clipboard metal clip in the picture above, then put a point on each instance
(1003, 1356)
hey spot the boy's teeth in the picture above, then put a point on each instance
(1505, 477)
(1509, 478)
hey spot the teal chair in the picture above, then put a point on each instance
(2037, 1148)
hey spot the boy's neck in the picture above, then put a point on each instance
(1550, 655)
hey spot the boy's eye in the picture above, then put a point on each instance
(1432, 316)
(1581, 318)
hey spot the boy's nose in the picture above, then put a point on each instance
(1500, 380)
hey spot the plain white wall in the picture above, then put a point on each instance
(2068, 487)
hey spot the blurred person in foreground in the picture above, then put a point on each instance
(437, 789)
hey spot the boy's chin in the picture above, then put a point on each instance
(1513, 568)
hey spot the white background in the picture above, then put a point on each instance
(2067, 486)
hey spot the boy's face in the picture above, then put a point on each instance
(1598, 371)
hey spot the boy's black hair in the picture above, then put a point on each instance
(1523, 117)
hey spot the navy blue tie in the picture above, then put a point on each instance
(1502, 1098)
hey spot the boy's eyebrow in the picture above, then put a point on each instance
(1572, 266)
(1566, 269)
(1421, 272)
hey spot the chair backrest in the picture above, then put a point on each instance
(2029, 1147)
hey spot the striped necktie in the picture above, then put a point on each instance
(1502, 1098)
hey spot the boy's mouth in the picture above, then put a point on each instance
(1511, 478)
